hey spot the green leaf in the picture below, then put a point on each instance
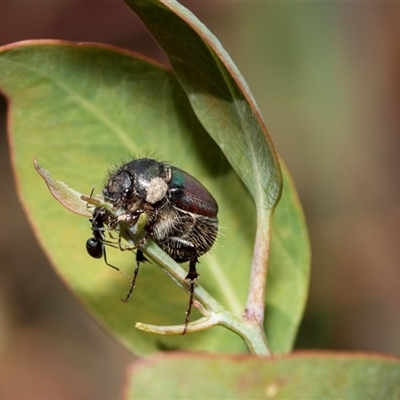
(218, 94)
(304, 375)
(226, 108)
(289, 270)
(79, 108)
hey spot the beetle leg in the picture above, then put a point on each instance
(192, 275)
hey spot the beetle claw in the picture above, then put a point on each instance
(190, 304)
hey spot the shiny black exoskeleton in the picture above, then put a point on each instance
(181, 213)
(101, 221)
(95, 244)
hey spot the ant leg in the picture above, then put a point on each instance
(91, 194)
(139, 258)
(124, 247)
(191, 276)
(112, 266)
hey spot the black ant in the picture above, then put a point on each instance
(101, 221)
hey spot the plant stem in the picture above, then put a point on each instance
(251, 332)
(258, 278)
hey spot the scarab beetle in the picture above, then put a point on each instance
(181, 213)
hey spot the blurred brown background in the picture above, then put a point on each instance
(327, 79)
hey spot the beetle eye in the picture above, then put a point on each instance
(118, 186)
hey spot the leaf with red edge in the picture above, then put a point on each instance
(66, 196)
(300, 375)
